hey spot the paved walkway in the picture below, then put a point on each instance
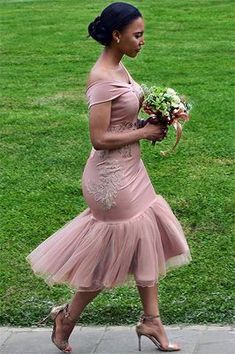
(118, 340)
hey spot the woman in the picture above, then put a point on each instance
(127, 228)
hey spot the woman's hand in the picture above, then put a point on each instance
(155, 132)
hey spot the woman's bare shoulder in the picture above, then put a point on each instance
(97, 74)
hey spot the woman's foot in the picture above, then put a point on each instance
(63, 327)
(152, 327)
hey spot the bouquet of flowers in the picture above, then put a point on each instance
(164, 105)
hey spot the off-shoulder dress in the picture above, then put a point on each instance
(128, 231)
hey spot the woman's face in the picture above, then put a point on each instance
(132, 38)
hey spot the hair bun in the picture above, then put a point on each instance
(96, 23)
(97, 20)
(97, 30)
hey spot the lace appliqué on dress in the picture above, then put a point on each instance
(124, 151)
(110, 180)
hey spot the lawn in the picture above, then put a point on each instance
(45, 59)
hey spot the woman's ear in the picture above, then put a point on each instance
(116, 36)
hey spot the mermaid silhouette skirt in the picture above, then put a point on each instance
(127, 230)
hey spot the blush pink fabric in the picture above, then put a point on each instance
(127, 229)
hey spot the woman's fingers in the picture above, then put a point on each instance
(164, 129)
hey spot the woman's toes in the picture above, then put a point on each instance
(174, 346)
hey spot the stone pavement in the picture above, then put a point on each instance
(118, 340)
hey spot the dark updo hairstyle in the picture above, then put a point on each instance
(116, 16)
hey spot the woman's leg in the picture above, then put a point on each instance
(65, 325)
(80, 300)
(149, 299)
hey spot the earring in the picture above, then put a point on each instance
(118, 40)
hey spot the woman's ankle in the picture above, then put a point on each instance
(150, 317)
(68, 316)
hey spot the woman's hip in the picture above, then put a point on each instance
(114, 191)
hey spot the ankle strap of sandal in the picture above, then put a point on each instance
(148, 317)
(67, 314)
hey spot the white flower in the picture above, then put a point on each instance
(175, 101)
(170, 91)
(182, 106)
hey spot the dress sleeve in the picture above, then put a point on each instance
(100, 92)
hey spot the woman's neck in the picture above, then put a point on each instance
(111, 57)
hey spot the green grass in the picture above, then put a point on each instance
(45, 143)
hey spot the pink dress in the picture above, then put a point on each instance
(127, 229)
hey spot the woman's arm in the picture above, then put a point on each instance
(102, 139)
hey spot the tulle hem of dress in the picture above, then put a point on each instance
(129, 281)
(90, 255)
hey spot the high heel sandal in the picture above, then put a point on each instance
(143, 330)
(62, 345)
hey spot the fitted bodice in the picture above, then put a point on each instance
(126, 98)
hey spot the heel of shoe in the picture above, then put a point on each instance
(52, 315)
(139, 341)
(56, 310)
(44, 320)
